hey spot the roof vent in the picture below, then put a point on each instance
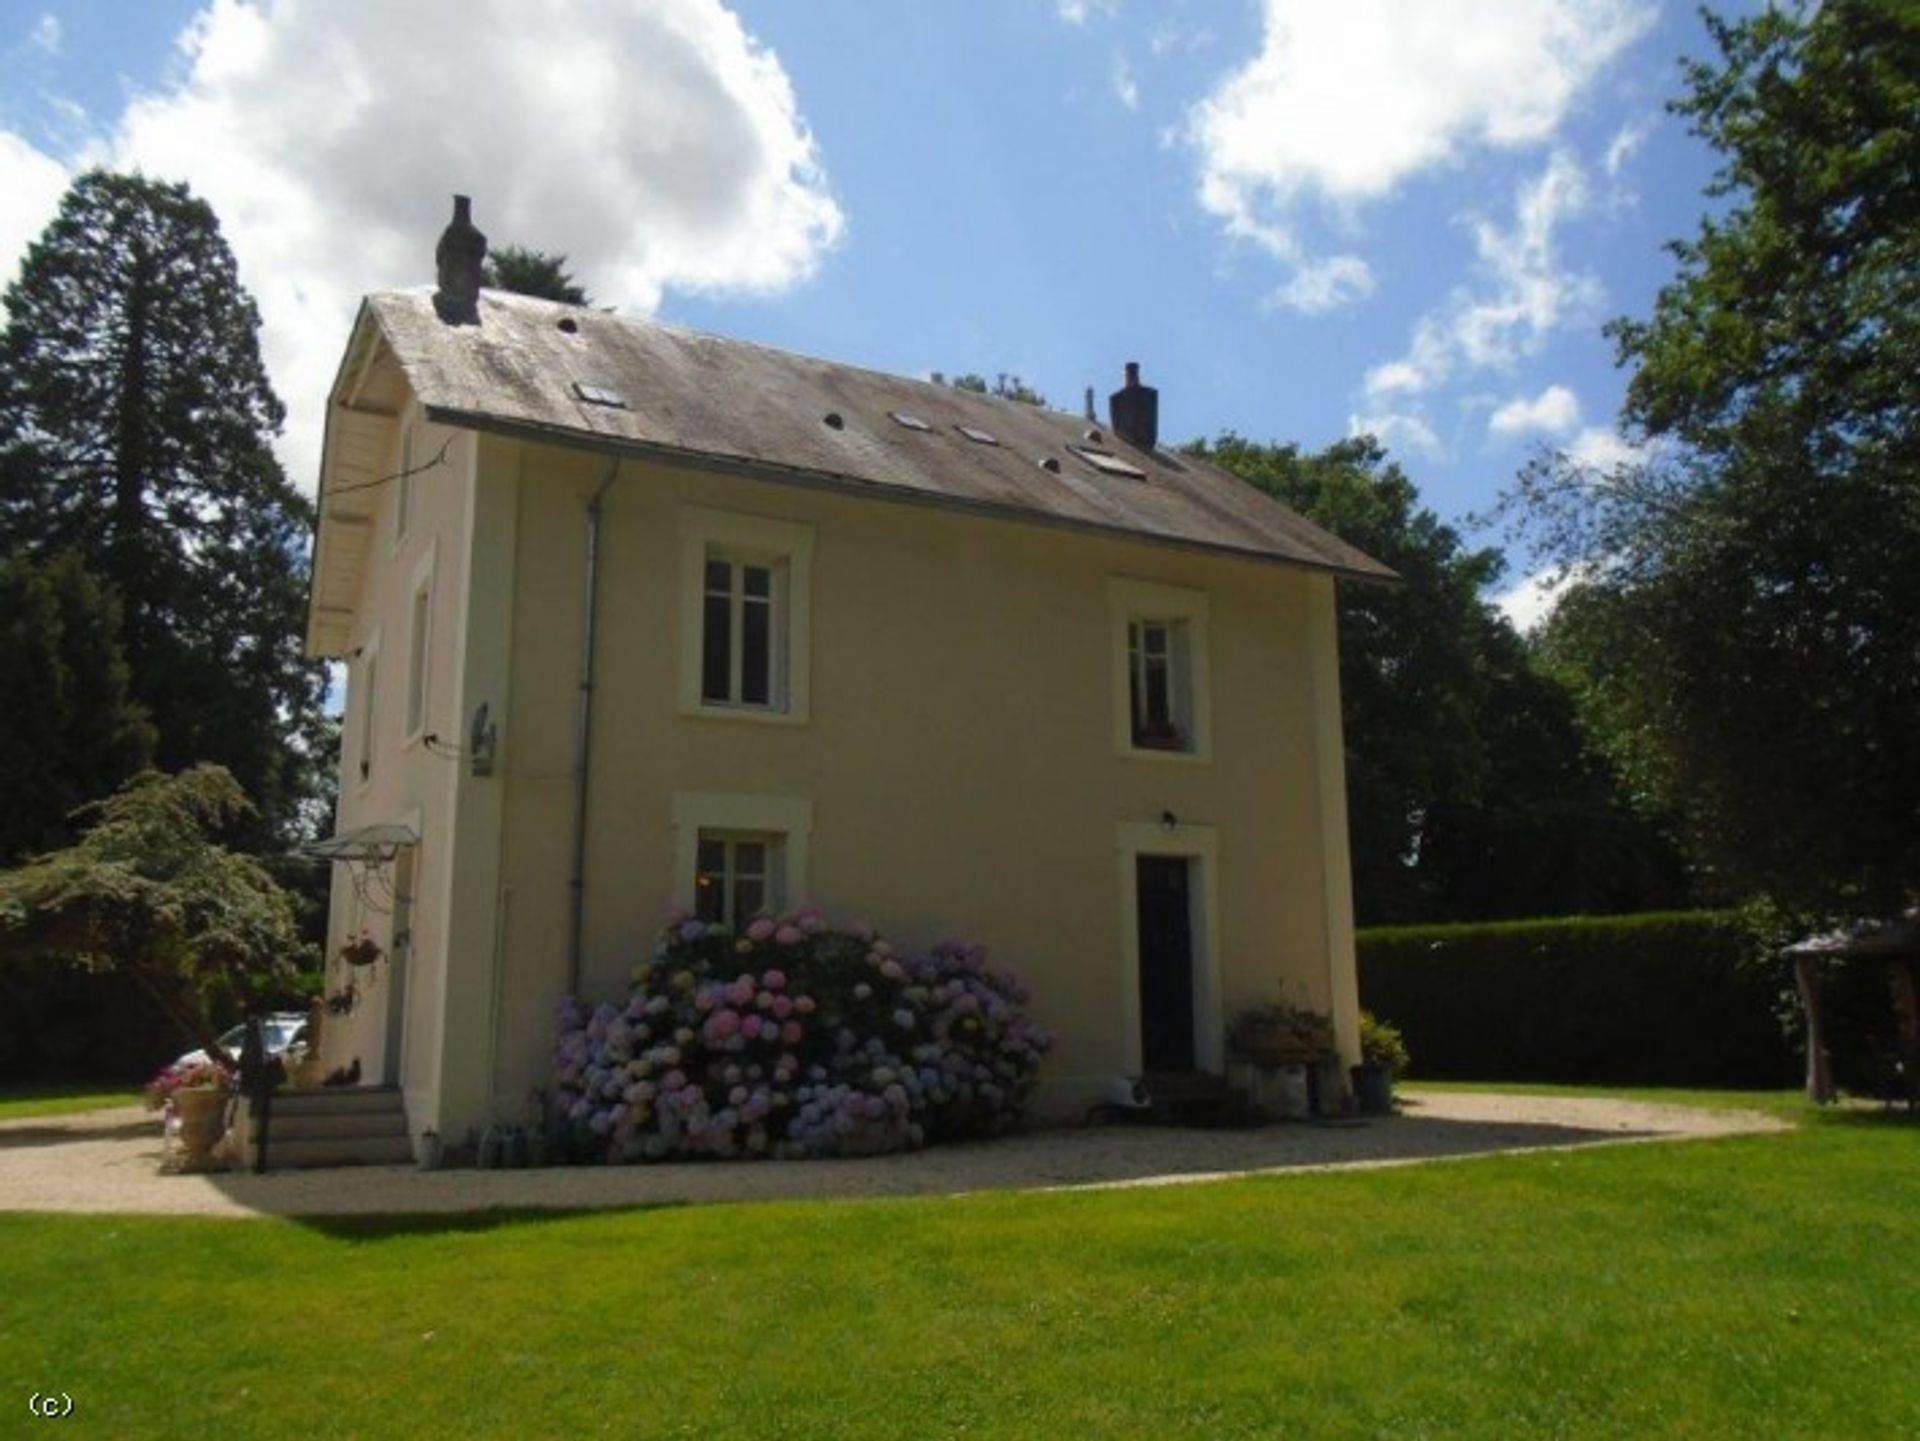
(1094, 436)
(457, 260)
(1107, 463)
(1134, 410)
(1050, 463)
(599, 395)
(978, 437)
(909, 420)
(832, 420)
(568, 324)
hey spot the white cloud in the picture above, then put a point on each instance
(1167, 38)
(1600, 448)
(1555, 410)
(1528, 603)
(1349, 98)
(659, 146)
(1318, 286)
(1078, 12)
(1518, 296)
(1125, 88)
(46, 34)
(1402, 431)
(33, 184)
(1624, 146)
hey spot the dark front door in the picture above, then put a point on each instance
(1166, 963)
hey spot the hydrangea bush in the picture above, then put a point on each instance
(795, 1038)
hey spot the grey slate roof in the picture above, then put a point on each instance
(709, 399)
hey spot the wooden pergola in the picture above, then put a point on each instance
(1893, 943)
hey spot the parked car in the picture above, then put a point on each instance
(285, 1033)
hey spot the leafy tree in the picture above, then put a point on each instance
(135, 428)
(68, 733)
(1007, 387)
(532, 272)
(1746, 632)
(1470, 792)
(151, 891)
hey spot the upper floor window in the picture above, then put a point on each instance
(743, 639)
(1160, 682)
(745, 611)
(403, 487)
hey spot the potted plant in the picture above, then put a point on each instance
(1383, 1055)
(193, 1098)
(361, 950)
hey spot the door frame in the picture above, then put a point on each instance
(1200, 846)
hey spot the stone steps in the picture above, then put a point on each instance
(338, 1126)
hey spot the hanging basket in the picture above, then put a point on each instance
(362, 951)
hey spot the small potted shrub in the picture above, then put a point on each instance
(1383, 1055)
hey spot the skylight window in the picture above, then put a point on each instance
(1107, 463)
(978, 437)
(599, 395)
(909, 420)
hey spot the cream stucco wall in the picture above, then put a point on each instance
(958, 761)
(407, 780)
(958, 756)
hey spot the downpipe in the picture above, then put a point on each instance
(583, 736)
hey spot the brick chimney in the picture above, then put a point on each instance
(1134, 410)
(457, 260)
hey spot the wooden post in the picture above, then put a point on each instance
(1806, 977)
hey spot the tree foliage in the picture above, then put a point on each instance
(1471, 794)
(1007, 387)
(135, 429)
(532, 272)
(1746, 630)
(69, 732)
(152, 891)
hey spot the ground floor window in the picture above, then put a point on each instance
(737, 875)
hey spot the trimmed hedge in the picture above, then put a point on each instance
(1669, 999)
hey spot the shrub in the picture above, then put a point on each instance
(795, 1039)
(1381, 1044)
(1683, 999)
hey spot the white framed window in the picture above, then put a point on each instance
(367, 697)
(746, 616)
(743, 630)
(419, 647)
(738, 875)
(403, 486)
(737, 855)
(1161, 702)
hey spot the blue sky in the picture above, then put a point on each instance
(1302, 216)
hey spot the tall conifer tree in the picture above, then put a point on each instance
(136, 428)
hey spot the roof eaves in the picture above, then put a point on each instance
(576, 439)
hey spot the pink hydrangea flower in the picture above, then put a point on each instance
(750, 1028)
(761, 929)
(775, 980)
(791, 1033)
(789, 936)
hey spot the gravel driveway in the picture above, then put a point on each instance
(108, 1161)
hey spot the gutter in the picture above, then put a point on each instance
(583, 742)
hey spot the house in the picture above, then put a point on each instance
(633, 617)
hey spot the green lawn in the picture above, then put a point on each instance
(1753, 1286)
(19, 1103)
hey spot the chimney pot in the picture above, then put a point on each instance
(458, 260)
(1133, 411)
